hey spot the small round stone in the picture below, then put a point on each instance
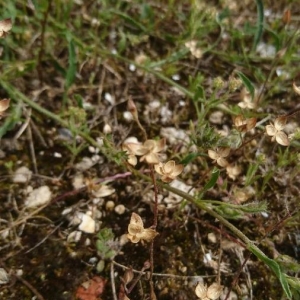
(110, 205)
(120, 209)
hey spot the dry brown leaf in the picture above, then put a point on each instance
(92, 289)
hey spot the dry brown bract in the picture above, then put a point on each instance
(219, 156)
(296, 88)
(244, 125)
(169, 171)
(275, 131)
(213, 292)
(233, 171)
(137, 232)
(4, 105)
(5, 27)
(131, 158)
(148, 151)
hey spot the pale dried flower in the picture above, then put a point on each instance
(137, 232)
(247, 101)
(276, 131)
(219, 156)
(213, 292)
(99, 190)
(5, 27)
(169, 171)
(244, 125)
(131, 158)
(192, 46)
(241, 195)
(4, 105)
(141, 58)
(233, 171)
(148, 151)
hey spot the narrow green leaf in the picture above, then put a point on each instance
(71, 71)
(260, 23)
(199, 94)
(189, 158)
(248, 84)
(11, 120)
(213, 179)
(130, 20)
(254, 207)
(273, 265)
(250, 173)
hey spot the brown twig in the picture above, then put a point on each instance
(112, 279)
(33, 289)
(181, 277)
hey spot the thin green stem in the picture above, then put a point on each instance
(14, 93)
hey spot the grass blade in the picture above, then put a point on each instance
(260, 23)
(71, 71)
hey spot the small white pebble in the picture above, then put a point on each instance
(87, 242)
(99, 141)
(87, 224)
(120, 209)
(109, 98)
(39, 196)
(176, 77)
(93, 260)
(212, 237)
(84, 165)
(153, 105)
(5, 233)
(95, 158)
(19, 272)
(107, 129)
(66, 211)
(207, 258)
(132, 67)
(95, 22)
(127, 116)
(56, 154)
(110, 205)
(92, 149)
(22, 175)
(4, 279)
